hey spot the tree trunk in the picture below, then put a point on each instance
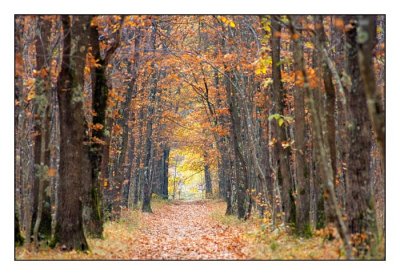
(207, 177)
(367, 42)
(43, 90)
(69, 230)
(147, 185)
(279, 133)
(303, 184)
(360, 202)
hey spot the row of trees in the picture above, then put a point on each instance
(286, 112)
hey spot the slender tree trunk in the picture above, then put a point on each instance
(279, 132)
(147, 185)
(303, 184)
(207, 177)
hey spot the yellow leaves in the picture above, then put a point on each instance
(263, 64)
(285, 144)
(94, 22)
(105, 183)
(272, 142)
(87, 70)
(309, 45)
(31, 95)
(268, 81)
(227, 21)
(280, 121)
(261, 70)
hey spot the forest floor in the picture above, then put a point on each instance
(196, 230)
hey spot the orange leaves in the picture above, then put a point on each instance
(299, 78)
(117, 130)
(312, 78)
(19, 64)
(295, 36)
(92, 62)
(96, 126)
(221, 131)
(222, 112)
(51, 172)
(339, 23)
(98, 141)
(229, 57)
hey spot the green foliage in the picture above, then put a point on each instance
(274, 245)
(281, 119)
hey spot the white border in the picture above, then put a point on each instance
(8, 266)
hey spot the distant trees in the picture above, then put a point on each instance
(285, 122)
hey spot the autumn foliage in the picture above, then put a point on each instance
(280, 117)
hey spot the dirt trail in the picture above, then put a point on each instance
(185, 231)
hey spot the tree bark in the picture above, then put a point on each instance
(69, 230)
(360, 202)
(279, 133)
(303, 184)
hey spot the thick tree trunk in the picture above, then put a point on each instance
(69, 230)
(240, 164)
(360, 202)
(330, 94)
(367, 42)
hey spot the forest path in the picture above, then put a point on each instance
(186, 231)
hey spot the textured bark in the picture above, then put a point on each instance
(303, 184)
(18, 239)
(43, 90)
(367, 41)
(360, 202)
(93, 218)
(69, 230)
(240, 163)
(121, 178)
(147, 184)
(279, 133)
(319, 127)
(330, 94)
